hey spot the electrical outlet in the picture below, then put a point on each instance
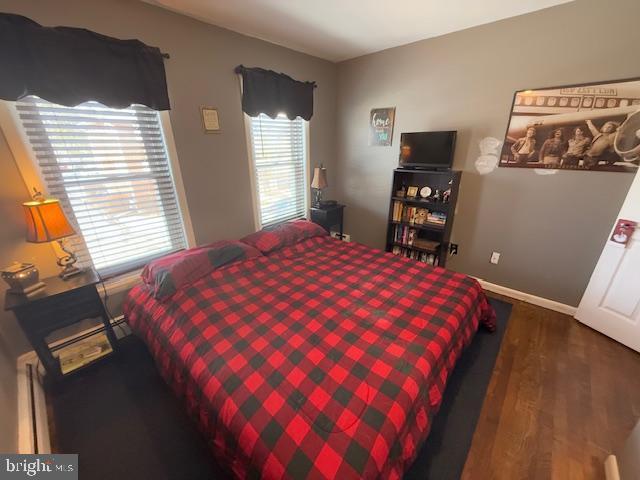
(453, 249)
(495, 258)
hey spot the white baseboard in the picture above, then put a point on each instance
(529, 298)
(33, 424)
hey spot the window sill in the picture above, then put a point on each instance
(122, 283)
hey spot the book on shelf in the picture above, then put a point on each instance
(407, 214)
(424, 257)
(437, 218)
(404, 235)
(408, 237)
(416, 215)
(397, 211)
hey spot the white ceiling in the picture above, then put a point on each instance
(341, 29)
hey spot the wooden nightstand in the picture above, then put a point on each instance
(328, 217)
(60, 304)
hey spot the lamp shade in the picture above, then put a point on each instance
(319, 178)
(46, 221)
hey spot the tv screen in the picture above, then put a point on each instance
(427, 149)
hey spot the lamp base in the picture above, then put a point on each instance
(69, 272)
(67, 262)
(317, 197)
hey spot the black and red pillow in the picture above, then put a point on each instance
(168, 274)
(290, 233)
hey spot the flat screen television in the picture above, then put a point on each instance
(428, 150)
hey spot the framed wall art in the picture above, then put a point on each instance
(590, 127)
(381, 122)
(210, 119)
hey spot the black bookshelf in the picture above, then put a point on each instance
(440, 233)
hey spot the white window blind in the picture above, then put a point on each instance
(111, 172)
(280, 163)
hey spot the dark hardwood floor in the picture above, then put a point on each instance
(561, 399)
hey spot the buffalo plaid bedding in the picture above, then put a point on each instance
(324, 359)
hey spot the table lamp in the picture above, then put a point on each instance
(319, 183)
(46, 222)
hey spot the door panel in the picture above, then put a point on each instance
(611, 302)
(623, 294)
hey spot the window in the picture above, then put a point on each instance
(279, 150)
(111, 172)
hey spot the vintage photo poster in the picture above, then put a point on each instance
(381, 126)
(594, 127)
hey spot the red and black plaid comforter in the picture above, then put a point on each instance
(323, 360)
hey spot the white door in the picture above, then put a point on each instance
(611, 302)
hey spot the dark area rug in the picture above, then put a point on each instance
(443, 455)
(125, 423)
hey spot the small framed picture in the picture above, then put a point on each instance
(210, 120)
(381, 126)
(412, 191)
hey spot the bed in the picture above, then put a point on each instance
(312, 359)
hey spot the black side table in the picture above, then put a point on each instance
(60, 304)
(328, 217)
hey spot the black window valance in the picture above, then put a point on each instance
(69, 66)
(269, 92)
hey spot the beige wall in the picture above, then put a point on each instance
(13, 247)
(214, 167)
(549, 229)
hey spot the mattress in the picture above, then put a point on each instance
(324, 359)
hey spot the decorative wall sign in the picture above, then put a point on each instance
(623, 231)
(210, 120)
(381, 122)
(593, 127)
